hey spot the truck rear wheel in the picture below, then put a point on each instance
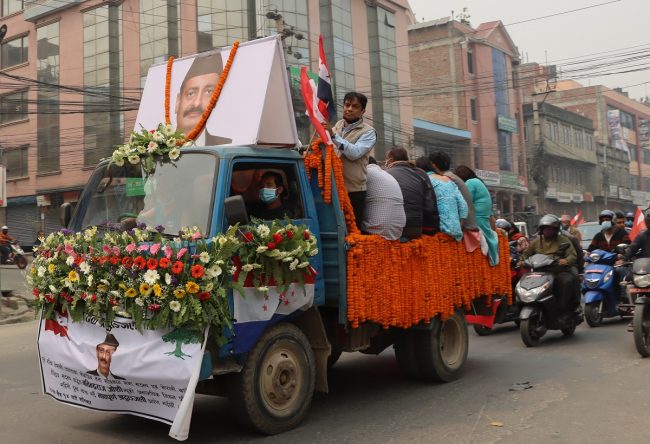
(442, 351)
(275, 388)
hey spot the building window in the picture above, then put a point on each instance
(627, 120)
(11, 6)
(102, 66)
(589, 141)
(501, 95)
(159, 32)
(47, 119)
(336, 27)
(579, 138)
(13, 107)
(470, 62)
(646, 156)
(15, 160)
(632, 149)
(221, 22)
(472, 109)
(295, 17)
(14, 52)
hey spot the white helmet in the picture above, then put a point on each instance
(4, 227)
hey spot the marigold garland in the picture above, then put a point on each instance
(213, 99)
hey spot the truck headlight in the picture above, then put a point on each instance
(642, 280)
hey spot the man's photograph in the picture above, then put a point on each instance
(105, 351)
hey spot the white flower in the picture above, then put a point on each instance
(90, 280)
(303, 264)
(171, 142)
(261, 249)
(84, 267)
(293, 265)
(134, 159)
(152, 147)
(168, 278)
(204, 257)
(151, 277)
(313, 252)
(53, 289)
(41, 271)
(219, 262)
(214, 271)
(118, 160)
(124, 314)
(257, 266)
(158, 137)
(69, 260)
(141, 149)
(232, 270)
(247, 267)
(263, 289)
(139, 302)
(175, 306)
(263, 230)
(174, 153)
(169, 129)
(288, 259)
(208, 287)
(222, 241)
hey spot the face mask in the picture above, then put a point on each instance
(267, 195)
(606, 225)
(548, 233)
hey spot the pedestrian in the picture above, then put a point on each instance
(482, 202)
(384, 213)
(353, 140)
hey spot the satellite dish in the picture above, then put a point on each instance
(3, 32)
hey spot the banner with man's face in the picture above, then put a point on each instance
(254, 107)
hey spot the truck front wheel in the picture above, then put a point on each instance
(442, 351)
(275, 388)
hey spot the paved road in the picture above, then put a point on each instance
(589, 388)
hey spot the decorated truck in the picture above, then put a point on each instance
(165, 284)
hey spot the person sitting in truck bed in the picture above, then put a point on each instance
(272, 196)
(384, 213)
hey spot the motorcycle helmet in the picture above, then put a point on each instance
(4, 227)
(549, 220)
(629, 215)
(606, 214)
(503, 224)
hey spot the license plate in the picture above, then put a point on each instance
(638, 290)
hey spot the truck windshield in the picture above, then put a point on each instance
(174, 196)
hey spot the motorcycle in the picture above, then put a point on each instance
(540, 308)
(16, 256)
(601, 289)
(641, 292)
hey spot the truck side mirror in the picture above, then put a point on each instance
(65, 214)
(235, 210)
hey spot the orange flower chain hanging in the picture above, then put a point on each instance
(440, 275)
(213, 99)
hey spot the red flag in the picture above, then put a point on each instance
(577, 219)
(311, 103)
(638, 225)
(324, 91)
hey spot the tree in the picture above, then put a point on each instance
(464, 16)
(182, 336)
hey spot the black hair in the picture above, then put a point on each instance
(440, 159)
(372, 161)
(620, 215)
(398, 154)
(465, 172)
(363, 100)
(423, 163)
(277, 178)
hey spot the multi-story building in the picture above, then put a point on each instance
(71, 74)
(561, 156)
(467, 101)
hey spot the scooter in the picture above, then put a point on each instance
(16, 256)
(540, 308)
(601, 289)
(640, 291)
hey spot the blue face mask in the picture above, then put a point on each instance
(606, 225)
(267, 195)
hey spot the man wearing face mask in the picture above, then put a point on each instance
(558, 246)
(609, 235)
(271, 192)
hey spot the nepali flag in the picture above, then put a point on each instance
(324, 92)
(577, 219)
(638, 225)
(312, 105)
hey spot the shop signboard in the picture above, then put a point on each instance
(506, 123)
(490, 178)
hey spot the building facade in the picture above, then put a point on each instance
(467, 101)
(71, 75)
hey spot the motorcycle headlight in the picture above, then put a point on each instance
(608, 276)
(594, 257)
(527, 296)
(642, 280)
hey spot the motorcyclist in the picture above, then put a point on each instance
(641, 245)
(609, 235)
(558, 246)
(514, 235)
(629, 219)
(5, 241)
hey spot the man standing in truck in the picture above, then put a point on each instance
(354, 139)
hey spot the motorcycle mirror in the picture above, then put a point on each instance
(620, 248)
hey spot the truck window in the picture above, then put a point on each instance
(249, 178)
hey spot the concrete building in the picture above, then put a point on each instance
(467, 101)
(71, 75)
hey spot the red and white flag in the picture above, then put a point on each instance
(577, 219)
(311, 100)
(639, 224)
(326, 103)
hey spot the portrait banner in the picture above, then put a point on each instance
(152, 374)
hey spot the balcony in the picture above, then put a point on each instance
(37, 9)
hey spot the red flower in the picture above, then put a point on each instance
(177, 267)
(164, 262)
(248, 236)
(49, 298)
(83, 295)
(78, 260)
(203, 296)
(113, 302)
(305, 234)
(93, 298)
(139, 262)
(127, 262)
(154, 307)
(152, 131)
(103, 259)
(115, 260)
(197, 271)
(36, 292)
(277, 238)
(289, 234)
(152, 263)
(271, 245)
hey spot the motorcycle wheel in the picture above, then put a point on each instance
(21, 262)
(642, 329)
(482, 330)
(593, 318)
(528, 334)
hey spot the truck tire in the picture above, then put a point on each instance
(641, 329)
(406, 355)
(442, 351)
(274, 389)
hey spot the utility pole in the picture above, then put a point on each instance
(251, 9)
(538, 169)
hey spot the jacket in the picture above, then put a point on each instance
(354, 171)
(552, 248)
(640, 247)
(599, 242)
(417, 193)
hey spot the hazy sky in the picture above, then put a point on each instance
(620, 27)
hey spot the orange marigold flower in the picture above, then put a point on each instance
(177, 268)
(152, 263)
(139, 262)
(197, 271)
(164, 262)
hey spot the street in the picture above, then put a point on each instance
(589, 388)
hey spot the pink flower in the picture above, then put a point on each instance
(106, 249)
(168, 251)
(143, 248)
(69, 250)
(181, 252)
(196, 236)
(116, 251)
(130, 247)
(155, 248)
